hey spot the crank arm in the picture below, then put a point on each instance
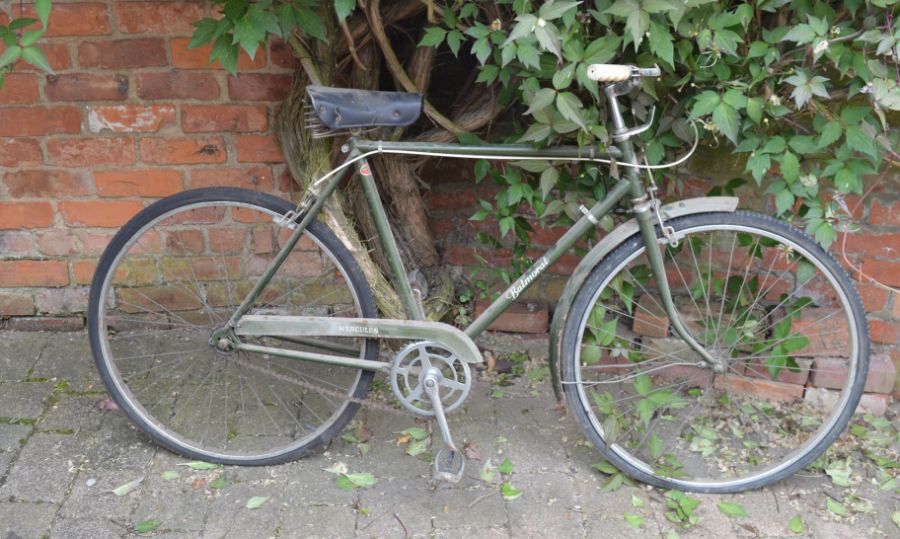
(318, 326)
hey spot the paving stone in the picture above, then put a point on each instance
(67, 356)
(317, 522)
(546, 508)
(82, 528)
(96, 500)
(562, 495)
(19, 351)
(228, 515)
(74, 413)
(20, 400)
(45, 468)
(25, 520)
(5, 459)
(467, 504)
(179, 509)
(11, 436)
(394, 502)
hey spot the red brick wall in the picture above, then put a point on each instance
(132, 115)
(129, 116)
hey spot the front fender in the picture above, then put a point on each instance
(605, 246)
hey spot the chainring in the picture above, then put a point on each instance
(408, 367)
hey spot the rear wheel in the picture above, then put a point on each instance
(767, 302)
(174, 275)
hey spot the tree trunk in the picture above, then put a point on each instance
(358, 47)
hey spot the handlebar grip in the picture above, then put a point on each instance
(618, 72)
(609, 72)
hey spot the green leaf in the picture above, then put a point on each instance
(895, 516)
(147, 526)
(570, 107)
(847, 181)
(226, 53)
(481, 48)
(790, 167)
(605, 467)
(623, 8)
(454, 40)
(204, 33)
(643, 385)
(784, 200)
(417, 447)
(548, 181)
(124, 489)
(830, 133)
(730, 509)
(796, 525)
(835, 507)
(755, 109)
(510, 492)
(256, 502)
(36, 57)
(542, 99)
(169, 475)
(728, 120)
(635, 521)
(24, 22)
(416, 433)
(839, 472)
(42, 8)
(803, 144)
(661, 43)
(858, 140)
(433, 37)
(549, 38)
(637, 501)
(200, 465)
(311, 24)
(361, 480)
(801, 33)
(343, 8)
(10, 55)
(563, 78)
(528, 55)
(30, 37)
(219, 483)
(704, 104)
(638, 22)
(506, 467)
(555, 10)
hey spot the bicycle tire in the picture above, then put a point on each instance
(714, 446)
(175, 272)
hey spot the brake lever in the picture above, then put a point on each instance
(628, 133)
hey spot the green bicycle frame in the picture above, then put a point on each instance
(629, 189)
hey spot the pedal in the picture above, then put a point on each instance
(449, 465)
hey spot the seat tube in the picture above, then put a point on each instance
(388, 242)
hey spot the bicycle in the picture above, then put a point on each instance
(699, 347)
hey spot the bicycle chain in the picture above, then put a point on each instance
(321, 390)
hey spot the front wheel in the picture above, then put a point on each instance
(173, 276)
(768, 303)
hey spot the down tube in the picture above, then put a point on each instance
(578, 230)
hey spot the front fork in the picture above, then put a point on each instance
(644, 209)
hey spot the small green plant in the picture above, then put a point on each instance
(21, 42)
(681, 509)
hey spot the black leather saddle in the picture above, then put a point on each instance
(343, 108)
